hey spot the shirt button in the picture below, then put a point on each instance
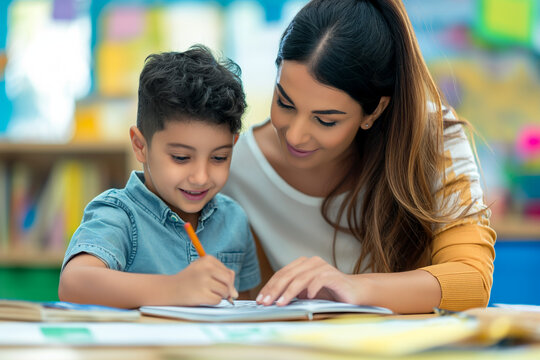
(174, 218)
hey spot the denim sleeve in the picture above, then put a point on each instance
(105, 232)
(249, 275)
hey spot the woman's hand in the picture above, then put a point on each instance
(312, 278)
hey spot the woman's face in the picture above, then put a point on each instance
(315, 123)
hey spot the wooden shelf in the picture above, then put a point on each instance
(31, 258)
(118, 153)
(513, 227)
(10, 149)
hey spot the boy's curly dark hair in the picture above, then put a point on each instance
(189, 85)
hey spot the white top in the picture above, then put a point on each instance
(289, 223)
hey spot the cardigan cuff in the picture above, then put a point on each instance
(461, 286)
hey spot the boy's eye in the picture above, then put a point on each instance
(180, 159)
(325, 123)
(283, 105)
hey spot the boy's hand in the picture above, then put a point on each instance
(206, 281)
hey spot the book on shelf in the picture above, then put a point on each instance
(23, 310)
(4, 208)
(44, 213)
(21, 204)
(249, 310)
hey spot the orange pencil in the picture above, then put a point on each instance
(198, 246)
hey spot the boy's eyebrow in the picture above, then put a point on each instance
(320, 112)
(177, 145)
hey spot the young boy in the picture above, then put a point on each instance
(131, 248)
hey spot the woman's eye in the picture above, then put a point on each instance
(283, 105)
(325, 123)
(220, 158)
(180, 159)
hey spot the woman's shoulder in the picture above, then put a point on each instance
(254, 145)
(454, 128)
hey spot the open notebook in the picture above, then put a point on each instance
(248, 310)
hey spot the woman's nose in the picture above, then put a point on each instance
(298, 131)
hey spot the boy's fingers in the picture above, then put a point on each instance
(232, 290)
(226, 276)
(220, 289)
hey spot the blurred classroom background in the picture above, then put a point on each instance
(68, 82)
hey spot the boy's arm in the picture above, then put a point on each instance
(86, 279)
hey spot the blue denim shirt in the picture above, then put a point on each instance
(133, 230)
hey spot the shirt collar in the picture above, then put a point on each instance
(155, 205)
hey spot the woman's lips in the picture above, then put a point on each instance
(194, 195)
(299, 153)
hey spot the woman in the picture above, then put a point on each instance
(362, 186)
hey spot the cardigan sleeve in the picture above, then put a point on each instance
(462, 261)
(462, 251)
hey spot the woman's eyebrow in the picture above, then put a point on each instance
(328, 112)
(319, 112)
(284, 94)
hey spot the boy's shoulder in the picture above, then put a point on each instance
(223, 201)
(114, 198)
(111, 196)
(228, 206)
(127, 195)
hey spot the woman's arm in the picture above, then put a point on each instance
(460, 278)
(462, 262)
(406, 292)
(86, 279)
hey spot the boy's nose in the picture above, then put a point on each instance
(199, 176)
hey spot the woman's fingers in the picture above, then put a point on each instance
(337, 286)
(297, 285)
(288, 282)
(278, 281)
(325, 285)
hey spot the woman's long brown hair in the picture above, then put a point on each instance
(395, 181)
(396, 166)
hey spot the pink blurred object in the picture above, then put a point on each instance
(125, 23)
(528, 142)
(531, 210)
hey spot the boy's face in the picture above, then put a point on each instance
(187, 164)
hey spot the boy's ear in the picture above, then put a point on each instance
(138, 143)
(235, 139)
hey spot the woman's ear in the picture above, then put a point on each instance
(138, 143)
(371, 118)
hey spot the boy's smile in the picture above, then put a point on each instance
(194, 195)
(187, 164)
